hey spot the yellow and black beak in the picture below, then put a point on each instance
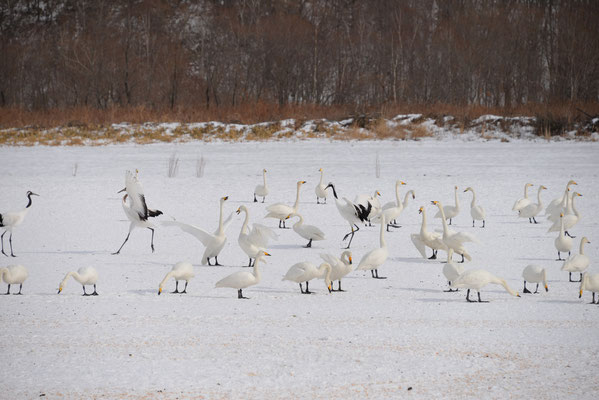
(420, 210)
(159, 291)
(350, 260)
(303, 182)
(238, 210)
(580, 295)
(226, 198)
(59, 290)
(266, 254)
(330, 287)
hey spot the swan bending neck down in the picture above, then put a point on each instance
(591, 283)
(306, 271)
(85, 276)
(476, 279)
(452, 239)
(12, 275)
(182, 271)
(242, 279)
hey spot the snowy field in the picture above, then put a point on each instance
(380, 339)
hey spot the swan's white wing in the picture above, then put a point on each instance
(419, 244)
(260, 235)
(199, 233)
(463, 237)
(297, 272)
(329, 258)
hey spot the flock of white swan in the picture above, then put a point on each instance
(364, 209)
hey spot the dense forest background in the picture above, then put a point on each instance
(251, 59)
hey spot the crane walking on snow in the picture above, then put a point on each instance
(10, 220)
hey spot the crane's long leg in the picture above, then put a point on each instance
(352, 233)
(152, 244)
(119, 250)
(10, 241)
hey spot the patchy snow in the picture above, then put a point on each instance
(376, 340)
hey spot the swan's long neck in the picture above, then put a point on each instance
(473, 203)
(582, 242)
(564, 200)
(382, 233)
(3, 272)
(503, 283)
(574, 210)
(423, 227)
(562, 231)
(526, 191)
(406, 198)
(457, 201)
(300, 220)
(325, 271)
(545, 277)
(321, 177)
(257, 273)
(569, 205)
(75, 276)
(264, 177)
(397, 198)
(168, 276)
(296, 204)
(449, 255)
(539, 197)
(220, 218)
(244, 227)
(445, 227)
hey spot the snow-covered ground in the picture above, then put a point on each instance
(379, 339)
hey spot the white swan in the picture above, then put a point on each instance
(253, 241)
(476, 212)
(534, 274)
(476, 279)
(321, 189)
(578, 262)
(565, 208)
(450, 212)
(533, 209)
(137, 210)
(308, 232)
(425, 239)
(340, 267)
(13, 275)
(556, 206)
(306, 271)
(352, 213)
(395, 204)
(393, 211)
(451, 270)
(215, 242)
(562, 243)
(181, 271)
(377, 257)
(523, 202)
(591, 283)
(571, 217)
(261, 190)
(452, 239)
(242, 279)
(85, 276)
(364, 200)
(10, 220)
(280, 211)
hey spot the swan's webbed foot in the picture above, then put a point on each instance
(537, 289)
(468, 297)
(568, 234)
(339, 288)
(240, 295)
(301, 288)
(535, 221)
(309, 244)
(263, 199)
(434, 256)
(483, 224)
(255, 200)
(525, 290)
(479, 300)
(450, 290)
(375, 275)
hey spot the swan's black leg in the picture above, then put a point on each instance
(372, 273)
(84, 293)
(8, 291)
(473, 223)
(339, 289)
(570, 277)
(10, 241)
(95, 293)
(566, 233)
(20, 288)
(127, 238)
(462, 259)
(525, 289)
(580, 280)
(184, 289)
(450, 289)
(208, 260)
(280, 222)
(301, 288)
(434, 256)
(263, 197)
(176, 288)
(309, 243)
(479, 300)
(483, 223)
(534, 219)
(255, 200)
(559, 258)
(537, 289)
(307, 288)
(152, 243)
(530, 221)
(216, 261)
(468, 297)
(376, 275)
(250, 262)
(450, 221)
(317, 200)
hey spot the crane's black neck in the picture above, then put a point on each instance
(333, 187)
(29, 203)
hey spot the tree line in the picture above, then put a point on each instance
(166, 54)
